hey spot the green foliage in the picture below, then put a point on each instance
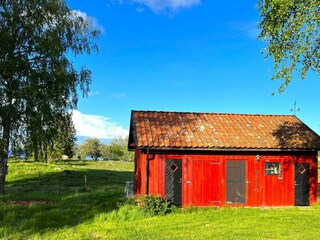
(66, 139)
(38, 82)
(63, 142)
(125, 212)
(153, 205)
(91, 148)
(118, 149)
(138, 208)
(105, 151)
(291, 30)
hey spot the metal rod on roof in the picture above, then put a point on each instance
(294, 109)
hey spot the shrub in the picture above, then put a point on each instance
(153, 205)
(127, 211)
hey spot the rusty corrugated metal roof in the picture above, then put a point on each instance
(154, 129)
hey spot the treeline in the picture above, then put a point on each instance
(43, 142)
(95, 149)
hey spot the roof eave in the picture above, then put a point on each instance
(230, 149)
(132, 141)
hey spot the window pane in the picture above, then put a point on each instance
(273, 168)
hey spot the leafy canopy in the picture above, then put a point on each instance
(38, 82)
(90, 147)
(291, 30)
(116, 150)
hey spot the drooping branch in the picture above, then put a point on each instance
(291, 31)
(38, 84)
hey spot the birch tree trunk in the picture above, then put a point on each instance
(4, 156)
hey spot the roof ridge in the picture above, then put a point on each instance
(217, 113)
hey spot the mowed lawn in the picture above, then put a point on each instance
(85, 200)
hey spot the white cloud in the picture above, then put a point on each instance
(159, 6)
(95, 126)
(249, 29)
(85, 16)
(79, 13)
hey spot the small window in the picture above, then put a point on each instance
(273, 168)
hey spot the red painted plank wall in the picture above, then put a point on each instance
(204, 178)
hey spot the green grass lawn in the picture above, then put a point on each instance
(52, 201)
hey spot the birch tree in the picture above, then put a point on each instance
(38, 81)
(290, 29)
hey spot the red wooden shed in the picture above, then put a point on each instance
(212, 159)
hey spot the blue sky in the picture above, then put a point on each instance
(181, 55)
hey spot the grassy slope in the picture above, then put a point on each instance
(63, 184)
(79, 214)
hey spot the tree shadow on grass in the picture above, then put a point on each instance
(70, 197)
